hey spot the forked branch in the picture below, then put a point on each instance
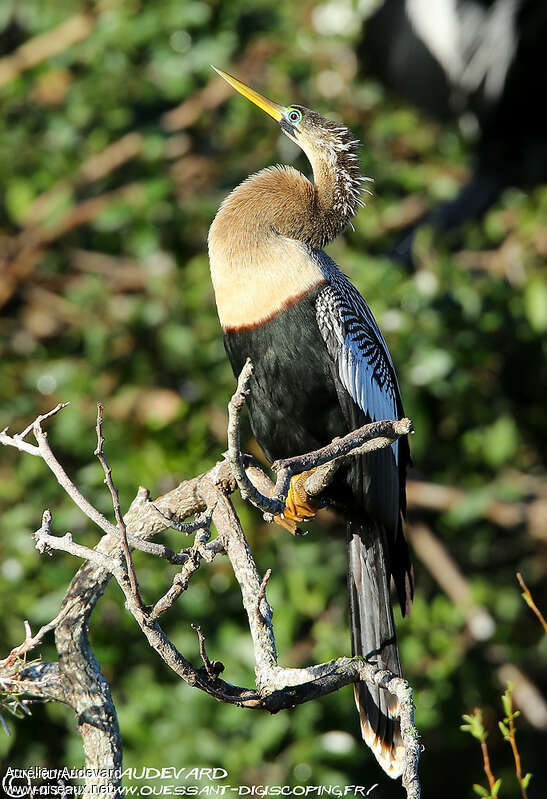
(206, 497)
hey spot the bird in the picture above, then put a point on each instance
(321, 369)
(479, 61)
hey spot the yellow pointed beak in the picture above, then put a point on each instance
(273, 109)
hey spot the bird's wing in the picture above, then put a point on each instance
(377, 550)
(368, 391)
(358, 349)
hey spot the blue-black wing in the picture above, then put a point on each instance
(357, 347)
(368, 391)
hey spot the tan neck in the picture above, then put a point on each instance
(260, 240)
(256, 268)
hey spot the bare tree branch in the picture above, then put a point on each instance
(208, 495)
(116, 503)
(43, 450)
(213, 669)
(181, 580)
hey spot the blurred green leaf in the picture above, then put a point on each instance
(535, 303)
(526, 780)
(504, 730)
(18, 198)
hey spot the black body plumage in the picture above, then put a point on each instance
(297, 404)
(293, 402)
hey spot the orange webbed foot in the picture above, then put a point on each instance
(299, 507)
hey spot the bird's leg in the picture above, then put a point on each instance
(299, 506)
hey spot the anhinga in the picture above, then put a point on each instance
(321, 369)
(480, 61)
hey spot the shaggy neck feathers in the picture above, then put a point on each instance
(259, 241)
(338, 183)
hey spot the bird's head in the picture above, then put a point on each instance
(333, 154)
(320, 138)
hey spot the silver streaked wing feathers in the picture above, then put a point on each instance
(361, 356)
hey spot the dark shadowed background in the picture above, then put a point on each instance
(117, 144)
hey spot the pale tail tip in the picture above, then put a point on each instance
(390, 758)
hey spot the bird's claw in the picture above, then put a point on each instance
(299, 506)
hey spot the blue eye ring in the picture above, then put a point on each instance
(294, 116)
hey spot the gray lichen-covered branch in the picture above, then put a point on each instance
(77, 679)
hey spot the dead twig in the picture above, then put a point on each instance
(160, 550)
(262, 594)
(43, 450)
(31, 641)
(235, 456)
(199, 523)
(194, 556)
(99, 452)
(210, 668)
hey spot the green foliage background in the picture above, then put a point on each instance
(120, 309)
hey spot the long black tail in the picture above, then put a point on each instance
(373, 636)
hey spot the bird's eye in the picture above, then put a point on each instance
(294, 116)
